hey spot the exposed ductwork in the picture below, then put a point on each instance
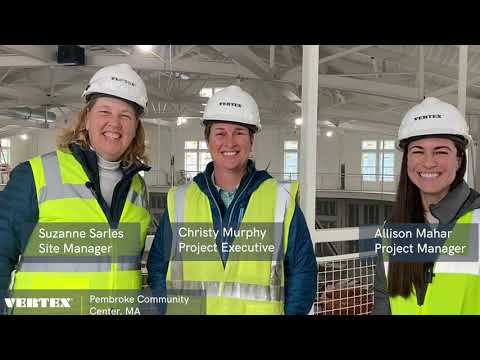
(26, 113)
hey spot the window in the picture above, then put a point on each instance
(369, 163)
(378, 160)
(5, 155)
(196, 157)
(387, 160)
(290, 160)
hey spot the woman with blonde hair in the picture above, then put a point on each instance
(91, 180)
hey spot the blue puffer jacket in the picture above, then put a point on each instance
(299, 264)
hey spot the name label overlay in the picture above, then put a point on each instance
(421, 242)
(81, 242)
(102, 302)
(247, 242)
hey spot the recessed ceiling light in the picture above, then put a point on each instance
(145, 48)
(181, 121)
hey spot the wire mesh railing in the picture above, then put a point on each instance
(345, 285)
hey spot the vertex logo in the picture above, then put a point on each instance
(432, 116)
(38, 302)
(123, 80)
(230, 104)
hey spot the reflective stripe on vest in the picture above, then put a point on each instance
(83, 264)
(56, 189)
(464, 267)
(232, 290)
(455, 288)
(65, 264)
(176, 265)
(228, 289)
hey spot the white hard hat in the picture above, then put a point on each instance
(433, 117)
(232, 104)
(120, 81)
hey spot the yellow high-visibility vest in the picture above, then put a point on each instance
(455, 288)
(254, 286)
(63, 197)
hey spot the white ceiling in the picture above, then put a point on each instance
(360, 87)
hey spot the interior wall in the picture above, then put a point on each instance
(40, 141)
(268, 147)
(158, 147)
(21, 149)
(46, 141)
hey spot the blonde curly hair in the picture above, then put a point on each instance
(78, 134)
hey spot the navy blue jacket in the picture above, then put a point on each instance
(19, 206)
(300, 264)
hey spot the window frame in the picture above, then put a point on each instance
(379, 169)
(287, 151)
(197, 151)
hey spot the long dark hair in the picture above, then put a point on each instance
(403, 276)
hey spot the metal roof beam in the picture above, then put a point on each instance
(363, 116)
(368, 87)
(19, 61)
(43, 53)
(183, 65)
(343, 53)
(247, 59)
(452, 88)
(183, 51)
(407, 61)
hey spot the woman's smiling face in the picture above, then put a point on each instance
(432, 165)
(111, 125)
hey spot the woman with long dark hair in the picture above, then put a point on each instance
(434, 137)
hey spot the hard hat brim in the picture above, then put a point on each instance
(403, 144)
(253, 128)
(138, 109)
